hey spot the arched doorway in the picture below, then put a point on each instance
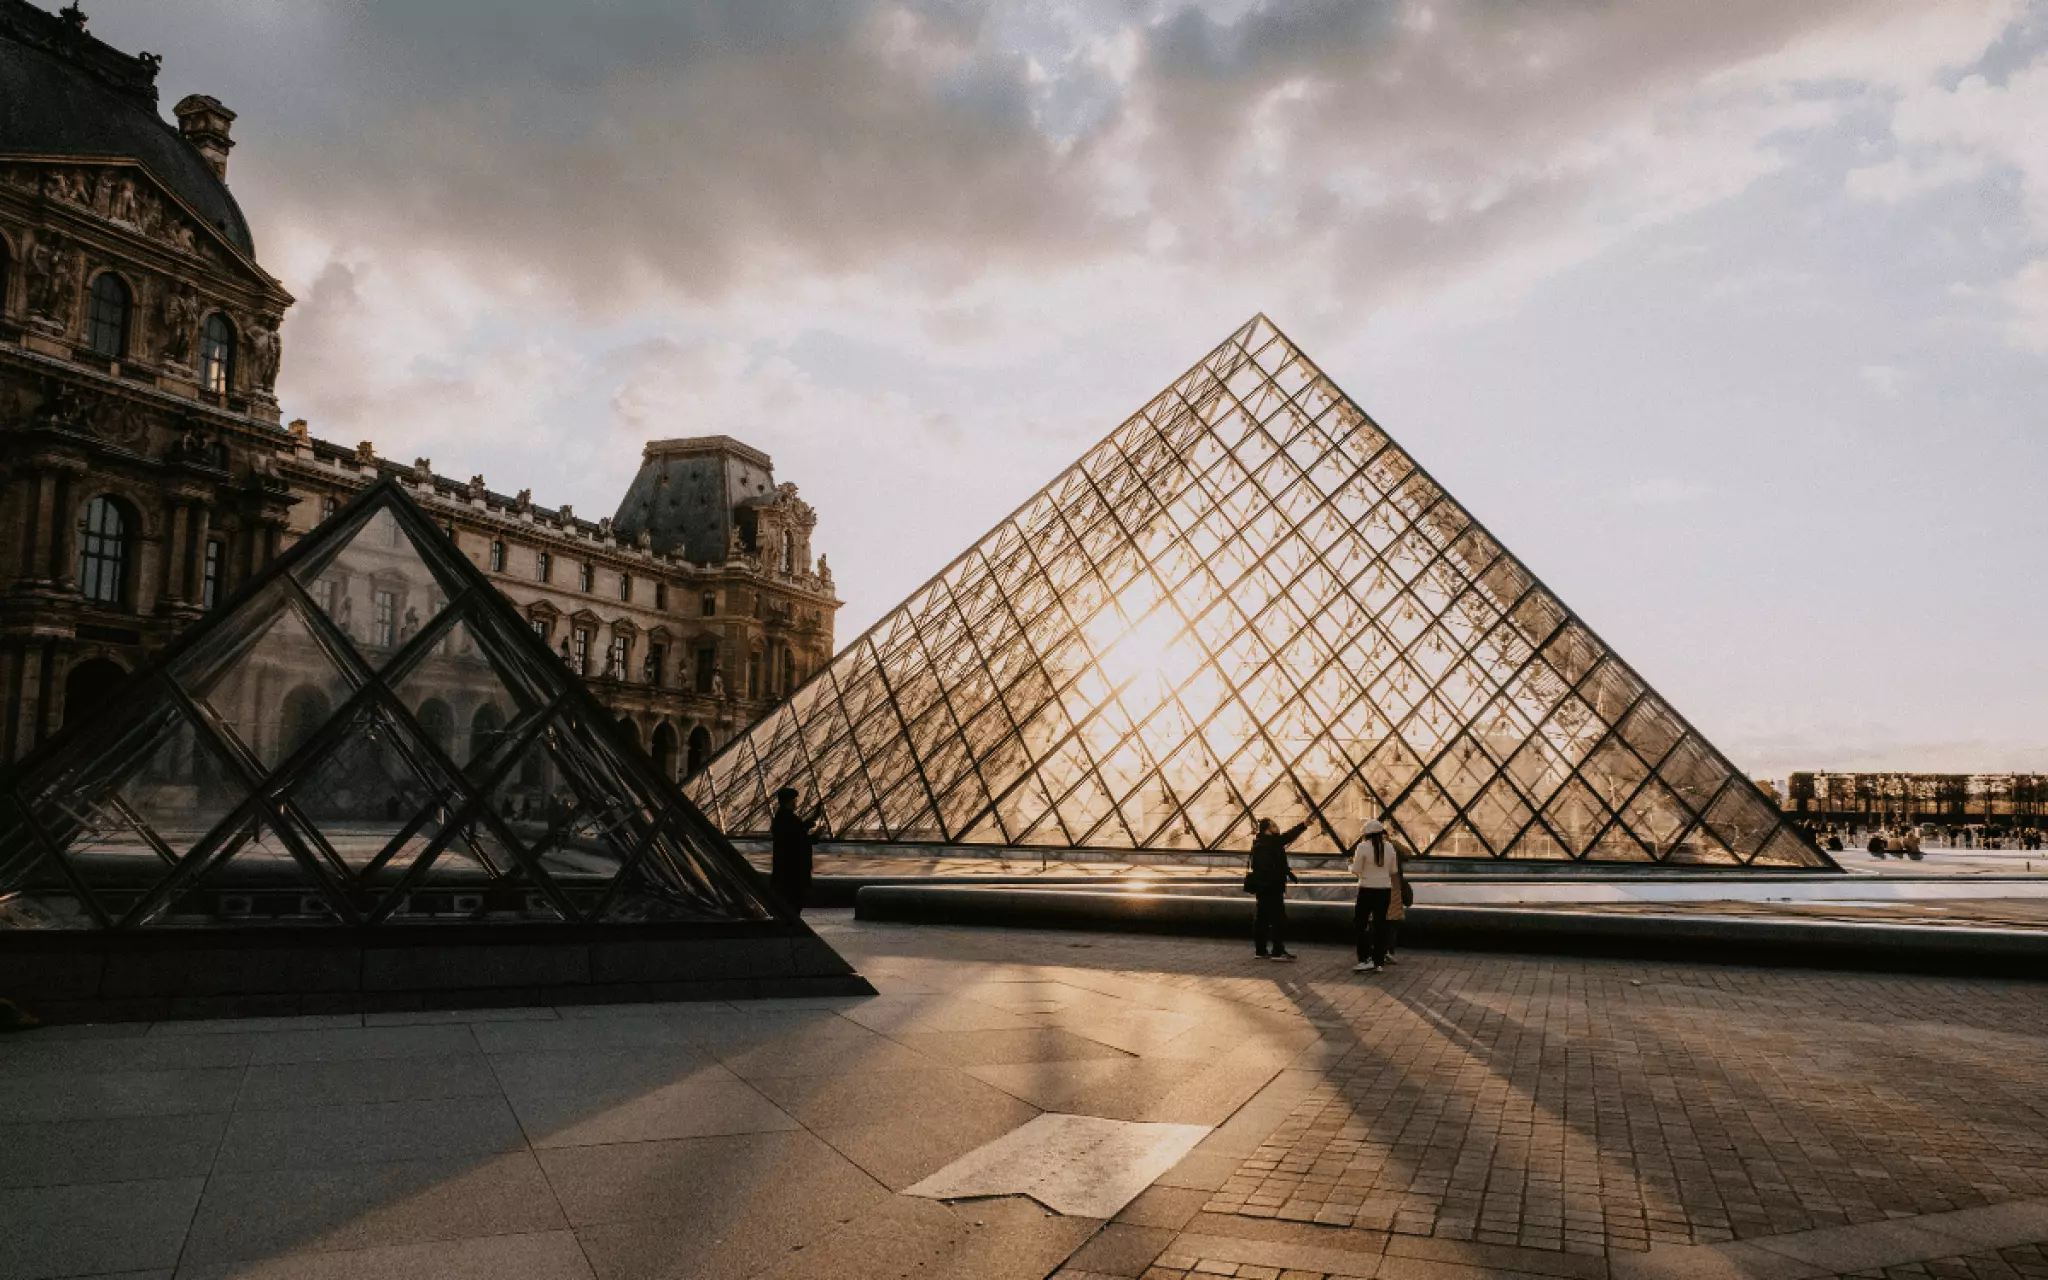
(700, 748)
(664, 750)
(437, 721)
(88, 686)
(483, 732)
(631, 730)
(305, 710)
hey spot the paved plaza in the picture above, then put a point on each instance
(1455, 1117)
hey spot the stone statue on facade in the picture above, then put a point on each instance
(476, 487)
(718, 682)
(735, 547)
(524, 502)
(179, 312)
(366, 453)
(824, 569)
(263, 352)
(52, 279)
(122, 205)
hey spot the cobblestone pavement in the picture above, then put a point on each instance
(1589, 1106)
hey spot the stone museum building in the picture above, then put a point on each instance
(145, 473)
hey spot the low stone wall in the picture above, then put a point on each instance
(107, 977)
(1823, 944)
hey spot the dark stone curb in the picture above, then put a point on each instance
(1821, 944)
(102, 977)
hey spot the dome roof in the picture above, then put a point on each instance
(64, 93)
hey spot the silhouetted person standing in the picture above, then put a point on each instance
(791, 869)
(1267, 882)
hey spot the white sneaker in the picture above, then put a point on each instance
(1390, 958)
(1365, 966)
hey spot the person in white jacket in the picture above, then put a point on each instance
(1375, 862)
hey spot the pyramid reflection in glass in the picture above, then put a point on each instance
(367, 735)
(1245, 595)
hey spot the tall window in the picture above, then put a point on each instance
(540, 628)
(497, 555)
(661, 595)
(103, 552)
(656, 655)
(788, 672)
(707, 664)
(216, 354)
(209, 588)
(106, 326)
(615, 660)
(626, 587)
(579, 652)
(585, 576)
(543, 565)
(710, 603)
(788, 552)
(327, 592)
(329, 505)
(384, 619)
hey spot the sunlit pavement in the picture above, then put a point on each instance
(1452, 1117)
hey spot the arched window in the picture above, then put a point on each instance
(103, 551)
(216, 354)
(106, 330)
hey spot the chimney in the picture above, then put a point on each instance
(204, 124)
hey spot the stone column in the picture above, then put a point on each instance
(42, 516)
(24, 485)
(195, 553)
(174, 553)
(64, 532)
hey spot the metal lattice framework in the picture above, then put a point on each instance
(1247, 597)
(368, 735)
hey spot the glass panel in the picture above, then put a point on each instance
(377, 588)
(266, 678)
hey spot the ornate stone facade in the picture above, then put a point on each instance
(144, 476)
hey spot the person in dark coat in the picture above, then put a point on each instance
(790, 871)
(1267, 882)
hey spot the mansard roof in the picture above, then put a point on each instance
(66, 94)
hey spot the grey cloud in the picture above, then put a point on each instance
(690, 147)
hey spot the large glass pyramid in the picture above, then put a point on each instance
(367, 736)
(1245, 595)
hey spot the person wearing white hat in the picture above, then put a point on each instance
(1375, 862)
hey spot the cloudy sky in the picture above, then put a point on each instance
(1730, 319)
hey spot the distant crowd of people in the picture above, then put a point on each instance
(1912, 840)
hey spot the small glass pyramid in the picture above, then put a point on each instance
(367, 736)
(1245, 596)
